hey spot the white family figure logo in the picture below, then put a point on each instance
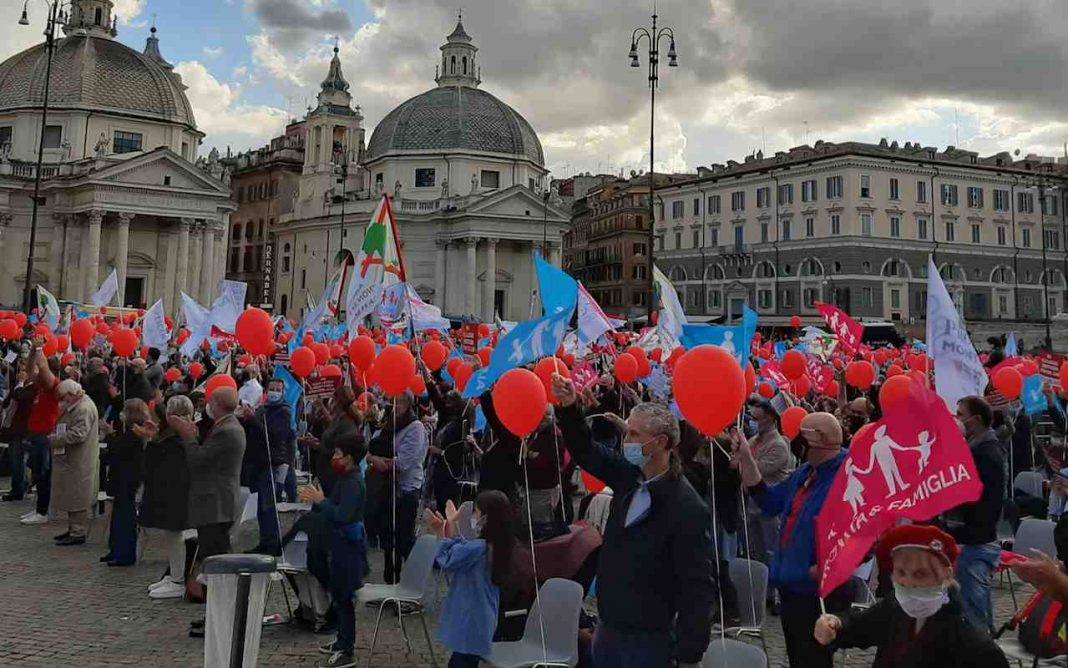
(728, 341)
(883, 455)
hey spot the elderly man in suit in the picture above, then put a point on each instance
(75, 450)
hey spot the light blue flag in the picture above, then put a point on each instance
(559, 292)
(292, 391)
(480, 419)
(527, 342)
(657, 382)
(780, 349)
(1010, 346)
(736, 339)
(1033, 399)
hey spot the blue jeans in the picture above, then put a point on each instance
(289, 485)
(345, 610)
(41, 468)
(16, 450)
(263, 486)
(122, 539)
(975, 569)
(612, 649)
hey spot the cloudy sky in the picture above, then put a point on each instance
(986, 75)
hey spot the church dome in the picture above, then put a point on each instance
(455, 118)
(94, 72)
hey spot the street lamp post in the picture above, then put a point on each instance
(653, 36)
(55, 17)
(1045, 269)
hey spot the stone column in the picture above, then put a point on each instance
(554, 254)
(471, 296)
(207, 273)
(55, 253)
(193, 280)
(168, 249)
(122, 251)
(182, 273)
(239, 247)
(489, 285)
(91, 248)
(439, 273)
(9, 253)
(222, 233)
(72, 283)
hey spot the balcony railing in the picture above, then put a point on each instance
(22, 169)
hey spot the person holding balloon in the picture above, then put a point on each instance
(655, 589)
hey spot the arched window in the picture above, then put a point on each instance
(237, 232)
(285, 263)
(452, 65)
(284, 304)
(714, 273)
(764, 270)
(99, 16)
(678, 274)
(811, 267)
(465, 64)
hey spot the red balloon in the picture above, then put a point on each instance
(330, 371)
(196, 370)
(544, 370)
(172, 375)
(417, 386)
(918, 377)
(394, 369)
(255, 331)
(322, 352)
(860, 374)
(626, 369)
(519, 401)
(894, 370)
(335, 351)
(1009, 382)
(918, 362)
(644, 369)
(1028, 368)
(362, 352)
(63, 342)
(463, 374)
(42, 329)
(453, 365)
(67, 359)
(880, 356)
(893, 391)
(484, 355)
(750, 379)
(50, 347)
(793, 365)
(217, 381)
(124, 342)
(709, 406)
(674, 357)
(434, 355)
(9, 329)
(801, 386)
(302, 362)
(20, 319)
(244, 360)
(791, 421)
(1064, 374)
(831, 388)
(657, 355)
(483, 331)
(766, 390)
(795, 322)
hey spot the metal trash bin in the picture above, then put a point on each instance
(237, 592)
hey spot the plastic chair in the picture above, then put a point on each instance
(561, 600)
(752, 593)
(1030, 483)
(1032, 534)
(733, 653)
(1014, 651)
(412, 588)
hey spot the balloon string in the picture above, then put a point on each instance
(715, 544)
(533, 557)
(393, 494)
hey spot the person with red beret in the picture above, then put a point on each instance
(922, 625)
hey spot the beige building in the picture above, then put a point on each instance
(467, 176)
(119, 189)
(854, 223)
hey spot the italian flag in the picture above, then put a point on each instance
(378, 264)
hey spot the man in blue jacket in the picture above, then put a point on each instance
(797, 501)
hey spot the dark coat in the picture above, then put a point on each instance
(215, 473)
(165, 500)
(124, 458)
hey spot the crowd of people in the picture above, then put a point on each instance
(172, 453)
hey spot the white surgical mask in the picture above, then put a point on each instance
(920, 602)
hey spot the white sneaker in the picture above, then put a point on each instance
(35, 519)
(29, 514)
(168, 590)
(156, 585)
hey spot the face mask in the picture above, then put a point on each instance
(920, 602)
(274, 397)
(339, 466)
(751, 428)
(632, 452)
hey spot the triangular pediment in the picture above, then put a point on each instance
(160, 168)
(518, 201)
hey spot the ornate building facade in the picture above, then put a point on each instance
(120, 189)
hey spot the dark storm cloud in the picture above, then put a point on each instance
(293, 22)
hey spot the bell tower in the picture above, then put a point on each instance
(92, 16)
(459, 66)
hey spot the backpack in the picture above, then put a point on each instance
(1043, 626)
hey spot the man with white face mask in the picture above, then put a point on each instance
(921, 625)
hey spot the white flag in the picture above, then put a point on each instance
(228, 307)
(958, 371)
(377, 265)
(672, 317)
(48, 307)
(424, 316)
(107, 290)
(154, 328)
(197, 321)
(592, 320)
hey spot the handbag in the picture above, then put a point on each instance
(1042, 626)
(195, 592)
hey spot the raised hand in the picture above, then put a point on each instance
(564, 390)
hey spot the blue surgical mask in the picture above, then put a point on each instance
(632, 452)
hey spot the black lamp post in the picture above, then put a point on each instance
(652, 35)
(55, 17)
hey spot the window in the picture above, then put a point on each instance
(1001, 234)
(921, 228)
(975, 197)
(895, 226)
(126, 142)
(786, 193)
(677, 209)
(763, 197)
(715, 237)
(866, 297)
(865, 185)
(787, 298)
(53, 136)
(834, 187)
(424, 177)
(1001, 200)
(836, 224)
(660, 242)
(1025, 237)
(739, 236)
(713, 204)
(764, 298)
(491, 178)
(714, 298)
(5, 135)
(808, 191)
(285, 258)
(378, 179)
(696, 206)
(303, 278)
(1048, 202)
(678, 240)
(1025, 203)
(810, 227)
(977, 233)
(638, 249)
(895, 190)
(639, 272)
(949, 195)
(1003, 304)
(895, 299)
(786, 230)
(167, 180)
(865, 224)
(951, 231)
(697, 238)
(738, 200)
(921, 191)
(763, 233)
(1051, 239)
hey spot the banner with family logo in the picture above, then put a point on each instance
(913, 464)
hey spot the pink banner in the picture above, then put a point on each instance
(913, 464)
(771, 371)
(848, 330)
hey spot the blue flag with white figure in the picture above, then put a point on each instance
(559, 292)
(735, 339)
(780, 349)
(1034, 401)
(527, 342)
(1010, 346)
(292, 391)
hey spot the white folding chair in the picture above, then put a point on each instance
(1030, 483)
(561, 601)
(412, 588)
(733, 653)
(1014, 651)
(1032, 534)
(750, 580)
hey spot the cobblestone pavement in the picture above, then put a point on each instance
(62, 607)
